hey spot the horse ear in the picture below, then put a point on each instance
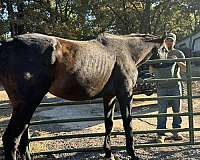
(164, 35)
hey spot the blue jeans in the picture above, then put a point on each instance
(164, 103)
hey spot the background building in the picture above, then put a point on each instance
(190, 45)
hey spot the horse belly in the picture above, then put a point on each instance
(71, 89)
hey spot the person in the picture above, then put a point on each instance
(167, 70)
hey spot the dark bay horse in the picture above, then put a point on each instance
(33, 64)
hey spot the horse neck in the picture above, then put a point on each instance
(142, 53)
(136, 48)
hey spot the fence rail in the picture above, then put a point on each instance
(191, 129)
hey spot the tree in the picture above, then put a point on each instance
(84, 19)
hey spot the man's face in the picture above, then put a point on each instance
(169, 43)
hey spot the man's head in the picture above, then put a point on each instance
(170, 40)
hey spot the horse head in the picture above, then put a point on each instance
(143, 46)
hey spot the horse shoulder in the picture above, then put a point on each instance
(126, 72)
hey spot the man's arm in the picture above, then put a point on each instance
(182, 65)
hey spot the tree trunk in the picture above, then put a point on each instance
(11, 18)
(20, 19)
(145, 26)
(16, 20)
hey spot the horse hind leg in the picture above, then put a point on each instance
(23, 146)
(109, 105)
(11, 138)
(15, 136)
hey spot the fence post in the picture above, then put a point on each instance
(190, 103)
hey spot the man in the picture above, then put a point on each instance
(169, 88)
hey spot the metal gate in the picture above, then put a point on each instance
(190, 114)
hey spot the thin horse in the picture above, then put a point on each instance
(33, 64)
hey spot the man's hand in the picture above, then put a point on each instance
(173, 57)
(182, 65)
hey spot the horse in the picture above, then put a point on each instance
(33, 64)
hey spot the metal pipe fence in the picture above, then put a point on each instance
(190, 114)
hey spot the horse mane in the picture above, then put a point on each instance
(145, 37)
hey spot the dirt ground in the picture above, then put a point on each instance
(94, 110)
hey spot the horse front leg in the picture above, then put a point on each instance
(125, 99)
(109, 105)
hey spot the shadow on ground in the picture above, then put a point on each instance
(172, 153)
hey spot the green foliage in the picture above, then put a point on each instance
(84, 19)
